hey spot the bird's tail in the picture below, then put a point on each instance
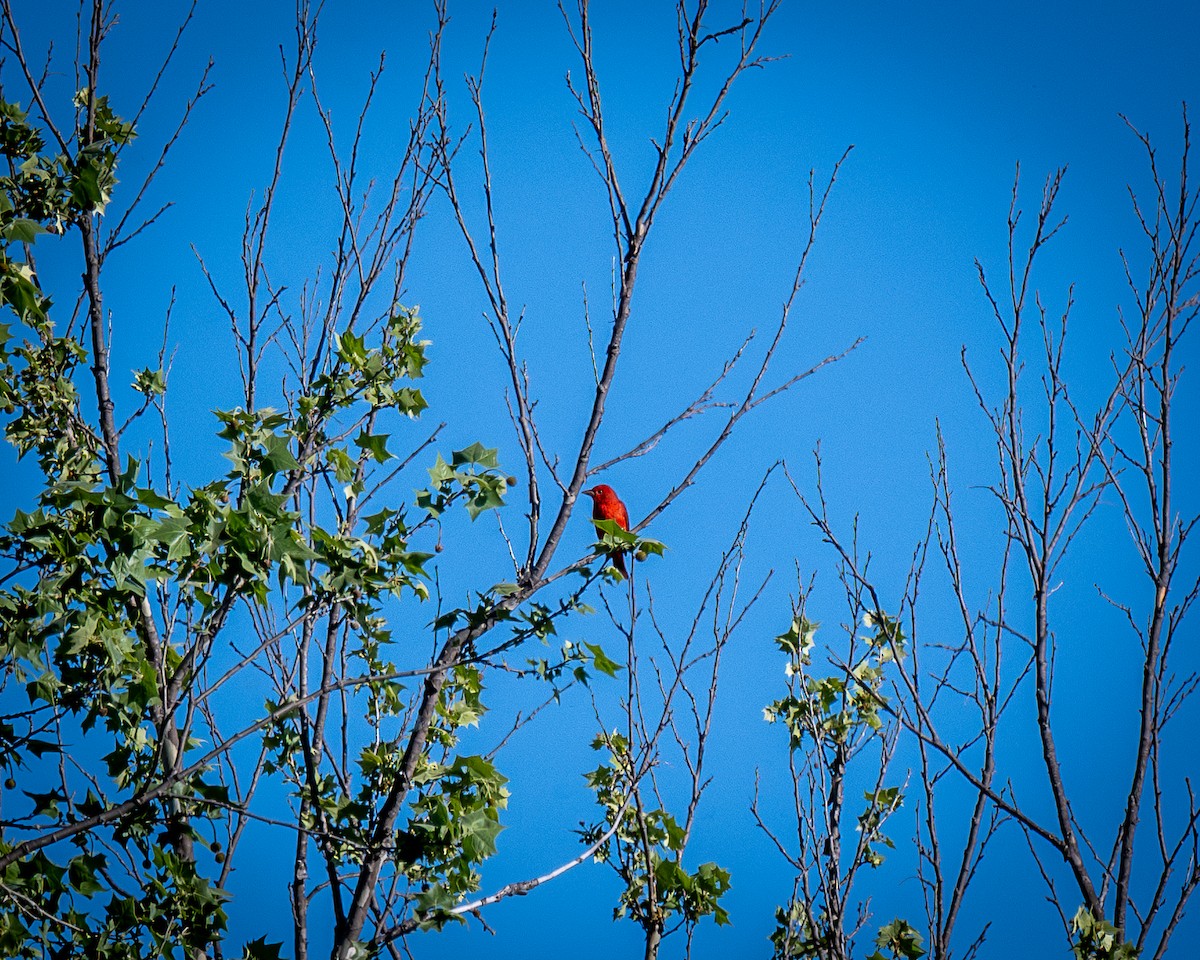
(618, 561)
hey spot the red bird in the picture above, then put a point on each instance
(606, 505)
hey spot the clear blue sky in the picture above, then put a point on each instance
(941, 101)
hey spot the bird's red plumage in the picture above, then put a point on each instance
(606, 505)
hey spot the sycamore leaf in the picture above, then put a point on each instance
(375, 444)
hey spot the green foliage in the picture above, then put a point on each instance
(174, 906)
(34, 196)
(645, 848)
(46, 190)
(616, 539)
(799, 934)
(93, 169)
(576, 660)
(93, 549)
(1097, 939)
(900, 940)
(261, 950)
(833, 710)
(150, 383)
(799, 640)
(795, 935)
(831, 719)
(453, 828)
(881, 804)
(473, 474)
(38, 391)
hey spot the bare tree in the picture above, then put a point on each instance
(1058, 470)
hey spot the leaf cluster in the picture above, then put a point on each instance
(645, 848)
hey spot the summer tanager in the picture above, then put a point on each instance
(606, 505)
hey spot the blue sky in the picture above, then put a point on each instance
(941, 101)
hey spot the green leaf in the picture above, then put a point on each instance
(279, 457)
(487, 496)
(153, 499)
(410, 402)
(646, 545)
(82, 874)
(901, 939)
(611, 531)
(601, 660)
(40, 748)
(440, 472)
(375, 444)
(798, 640)
(86, 189)
(351, 348)
(342, 463)
(46, 804)
(261, 950)
(22, 230)
(477, 454)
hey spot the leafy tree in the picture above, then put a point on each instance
(143, 604)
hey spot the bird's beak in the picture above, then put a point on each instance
(589, 493)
